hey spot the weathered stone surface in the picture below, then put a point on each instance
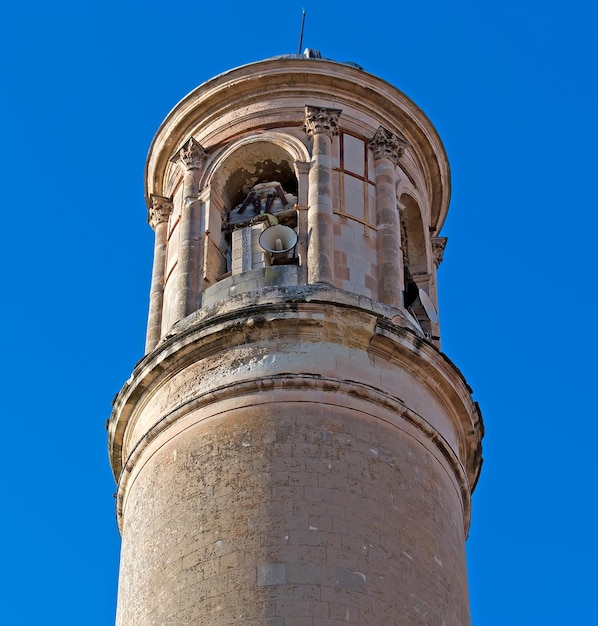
(296, 503)
(302, 442)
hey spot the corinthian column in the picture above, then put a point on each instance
(158, 214)
(321, 124)
(190, 159)
(388, 148)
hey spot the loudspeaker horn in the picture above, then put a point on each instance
(429, 307)
(278, 239)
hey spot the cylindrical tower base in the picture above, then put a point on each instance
(293, 458)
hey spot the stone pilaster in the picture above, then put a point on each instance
(321, 124)
(158, 213)
(302, 171)
(388, 148)
(190, 158)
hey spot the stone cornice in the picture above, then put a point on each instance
(159, 210)
(290, 384)
(288, 84)
(321, 120)
(387, 145)
(204, 336)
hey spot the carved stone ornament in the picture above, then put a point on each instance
(321, 120)
(387, 144)
(191, 155)
(438, 246)
(159, 210)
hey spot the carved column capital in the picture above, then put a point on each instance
(321, 120)
(438, 246)
(190, 156)
(159, 210)
(387, 145)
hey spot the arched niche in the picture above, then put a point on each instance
(416, 261)
(250, 165)
(250, 160)
(413, 236)
(227, 181)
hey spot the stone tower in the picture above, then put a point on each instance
(294, 448)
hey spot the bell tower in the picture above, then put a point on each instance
(294, 448)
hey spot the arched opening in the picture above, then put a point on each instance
(251, 164)
(413, 237)
(255, 179)
(416, 265)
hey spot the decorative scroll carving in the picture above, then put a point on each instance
(159, 211)
(321, 120)
(387, 145)
(191, 155)
(438, 246)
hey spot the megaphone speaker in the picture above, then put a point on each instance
(278, 239)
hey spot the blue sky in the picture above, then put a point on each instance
(511, 88)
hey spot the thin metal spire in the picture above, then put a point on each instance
(301, 36)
